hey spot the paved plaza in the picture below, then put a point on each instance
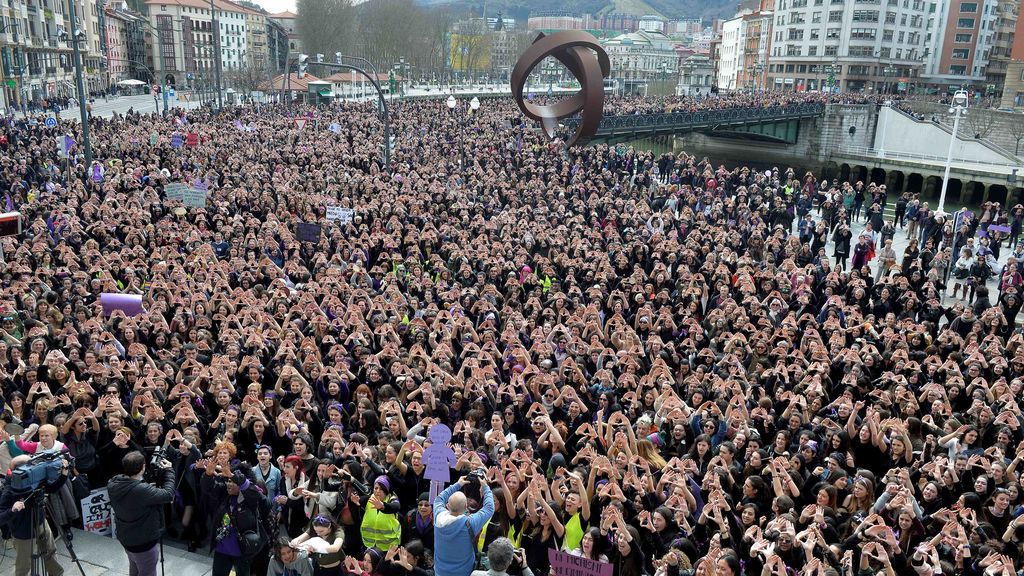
(103, 556)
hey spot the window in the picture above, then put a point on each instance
(796, 34)
(1022, 75)
(862, 34)
(965, 23)
(812, 50)
(887, 35)
(970, 7)
(890, 17)
(865, 15)
(832, 34)
(835, 16)
(797, 18)
(814, 35)
(961, 53)
(793, 50)
(862, 51)
(816, 18)
(958, 70)
(789, 68)
(831, 50)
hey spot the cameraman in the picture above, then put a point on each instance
(16, 512)
(139, 510)
(453, 524)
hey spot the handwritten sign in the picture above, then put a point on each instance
(565, 564)
(177, 140)
(194, 197)
(97, 515)
(340, 215)
(175, 191)
(192, 140)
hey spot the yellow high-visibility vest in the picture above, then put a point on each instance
(379, 529)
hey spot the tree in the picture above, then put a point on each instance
(325, 26)
(248, 77)
(1016, 130)
(981, 122)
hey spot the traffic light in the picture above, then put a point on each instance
(303, 64)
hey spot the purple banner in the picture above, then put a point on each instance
(998, 228)
(130, 304)
(565, 564)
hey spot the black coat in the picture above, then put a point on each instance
(139, 508)
(245, 517)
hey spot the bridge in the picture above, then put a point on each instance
(774, 124)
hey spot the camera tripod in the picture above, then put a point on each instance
(39, 509)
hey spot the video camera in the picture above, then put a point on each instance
(42, 467)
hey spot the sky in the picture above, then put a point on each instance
(274, 6)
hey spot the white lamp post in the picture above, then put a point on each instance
(958, 108)
(451, 102)
(474, 104)
(885, 126)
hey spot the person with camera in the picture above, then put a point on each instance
(460, 530)
(138, 510)
(17, 511)
(240, 535)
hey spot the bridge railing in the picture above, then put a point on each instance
(871, 152)
(629, 123)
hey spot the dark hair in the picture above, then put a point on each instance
(133, 462)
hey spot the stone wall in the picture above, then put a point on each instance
(1000, 130)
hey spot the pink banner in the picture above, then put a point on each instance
(130, 304)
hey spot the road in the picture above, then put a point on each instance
(106, 108)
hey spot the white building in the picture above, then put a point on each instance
(730, 54)
(639, 59)
(870, 45)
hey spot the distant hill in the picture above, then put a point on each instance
(521, 9)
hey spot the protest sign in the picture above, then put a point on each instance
(194, 197)
(97, 515)
(565, 564)
(340, 215)
(175, 191)
(192, 140)
(308, 232)
(177, 140)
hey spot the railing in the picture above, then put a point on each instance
(675, 121)
(923, 158)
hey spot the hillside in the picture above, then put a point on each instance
(521, 9)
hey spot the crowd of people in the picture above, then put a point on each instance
(643, 360)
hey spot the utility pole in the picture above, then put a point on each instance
(83, 98)
(216, 55)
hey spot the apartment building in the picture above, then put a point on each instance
(1013, 88)
(867, 45)
(745, 49)
(959, 40)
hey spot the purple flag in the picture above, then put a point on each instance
(9, 203)
(69, 143)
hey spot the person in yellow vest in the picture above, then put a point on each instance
(380, 527)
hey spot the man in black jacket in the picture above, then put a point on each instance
(239, 537)
(16, 512)
(139, 511)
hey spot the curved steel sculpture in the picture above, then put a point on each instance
(587, 61)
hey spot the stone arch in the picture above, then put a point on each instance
(915, 183)
(876, 176)
(830, 170)
(845, 172)
(932, 186)
(1015, 197)
(999, 193)
(972, 193)
(859, 174)
(895, 180)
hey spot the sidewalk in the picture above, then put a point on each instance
(102, 556)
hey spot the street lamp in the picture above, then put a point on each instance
(78, 35)
(887, 72)
(958, 108)
(474, 104)
(451, 102)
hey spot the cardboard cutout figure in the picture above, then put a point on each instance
(438, 458)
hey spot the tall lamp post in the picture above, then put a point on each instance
(888, 71)
(451, 102)
(76, 36)
(958, 108)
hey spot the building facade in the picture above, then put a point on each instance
(745, 50)
(642, 59)
(959, 41)
(1013, 88)
(866, 45)
(286, 20)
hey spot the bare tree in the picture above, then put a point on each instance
(248, 77)
(1016, 130)
(325, 26)
(981, 122)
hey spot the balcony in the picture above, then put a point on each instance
(51, 70)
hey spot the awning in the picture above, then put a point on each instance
(326, 93)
